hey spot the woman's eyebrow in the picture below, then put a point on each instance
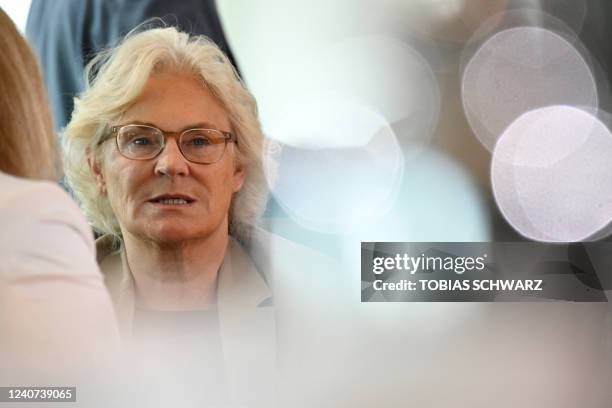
(199, 125)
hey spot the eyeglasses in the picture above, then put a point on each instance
(143, 142)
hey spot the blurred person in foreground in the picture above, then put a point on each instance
(164, 153)
(56, 316)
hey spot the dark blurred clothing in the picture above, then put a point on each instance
(595, 35)
(66, 34)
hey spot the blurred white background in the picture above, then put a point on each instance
(17, 10)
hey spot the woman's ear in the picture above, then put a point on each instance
(238, 176)
(97, 172)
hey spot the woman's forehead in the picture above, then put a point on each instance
(174, 101)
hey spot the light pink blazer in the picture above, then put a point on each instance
(55, 313)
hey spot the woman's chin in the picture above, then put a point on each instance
(174, 234)
(175, 231)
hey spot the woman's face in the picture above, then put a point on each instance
(172, 103)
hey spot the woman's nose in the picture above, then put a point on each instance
(171, 161)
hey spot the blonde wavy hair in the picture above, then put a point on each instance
(116, 77)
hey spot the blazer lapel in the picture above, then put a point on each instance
(247, 325)
(120, 284)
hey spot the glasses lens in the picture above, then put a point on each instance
(139, 142)
(203, 145)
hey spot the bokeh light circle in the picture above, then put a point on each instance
(518, 70)
(551, 174)
(333, 189)
(388, 75)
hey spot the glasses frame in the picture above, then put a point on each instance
(227, 137)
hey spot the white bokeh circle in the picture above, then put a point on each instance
(518, 70)
(388, 75)
(336, 189)
(551, 174)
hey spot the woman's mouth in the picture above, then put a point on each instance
(172, 199)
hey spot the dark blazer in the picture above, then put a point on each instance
(66, 34)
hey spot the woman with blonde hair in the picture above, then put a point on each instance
(164, 153)
(55, 313)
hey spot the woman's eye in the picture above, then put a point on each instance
(141, 141)
(199, 142)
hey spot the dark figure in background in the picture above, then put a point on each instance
(66, 34)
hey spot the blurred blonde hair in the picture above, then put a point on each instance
(26, 130)
(114, 80)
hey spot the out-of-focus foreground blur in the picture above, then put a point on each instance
(433, 120)
(438, 120)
